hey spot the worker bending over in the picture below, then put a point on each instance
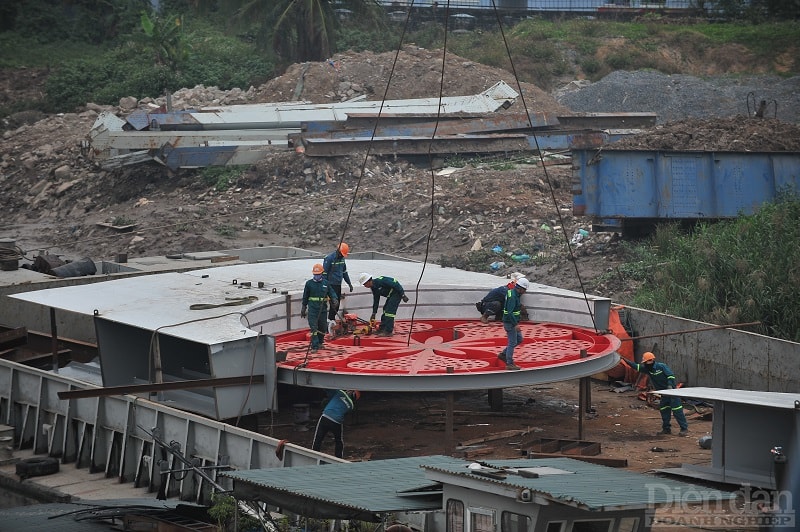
(393, 292)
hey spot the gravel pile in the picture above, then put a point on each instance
(676, 97)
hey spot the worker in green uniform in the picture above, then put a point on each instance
(512, 310)
(393, 292)
(316, 295)
(662, 378)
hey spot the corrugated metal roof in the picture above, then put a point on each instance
(369, 487)
(578, 484)
(387, 485)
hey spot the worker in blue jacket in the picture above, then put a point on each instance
(340, 403)
(316, 294)
(662, 378)
(512, 311)
(336, 272)
(493, 302)
(393, 292)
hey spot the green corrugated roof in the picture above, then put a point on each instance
(368, 487)
(402, 484)
(582, 484)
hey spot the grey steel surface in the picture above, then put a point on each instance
(746, 426)
(163, 301)
(112, 434)
(781, 401)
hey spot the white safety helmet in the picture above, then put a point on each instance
(363, 278)
(523, 283)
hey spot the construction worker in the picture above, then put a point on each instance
(340, 402)
(392, 291)
(662, 378)
(335, 272)
(316, 294)
(511, 318)
(493, 302)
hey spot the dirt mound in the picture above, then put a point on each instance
(740, 133)
(412, 72)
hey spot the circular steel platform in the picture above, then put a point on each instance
(449, 348)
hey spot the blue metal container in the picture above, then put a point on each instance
(622, 188)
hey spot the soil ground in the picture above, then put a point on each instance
(392, 425)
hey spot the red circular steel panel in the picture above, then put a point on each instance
(442, 347)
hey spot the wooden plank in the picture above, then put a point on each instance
(610, 462)
(494, 437)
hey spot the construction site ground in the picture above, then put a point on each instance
(620, 425)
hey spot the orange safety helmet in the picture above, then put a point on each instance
(344, 249)
(648, 357)
(318, 269)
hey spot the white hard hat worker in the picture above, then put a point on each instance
(522, 283)
(364, 278)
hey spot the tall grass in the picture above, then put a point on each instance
(730, 272)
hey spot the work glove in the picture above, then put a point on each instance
(351, 287)
(303, 312)
(405, 298)
(372, 317)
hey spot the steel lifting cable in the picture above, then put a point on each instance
(544, 168)
(430, 165)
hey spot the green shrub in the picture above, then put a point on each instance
(129, 71)
(729, 272)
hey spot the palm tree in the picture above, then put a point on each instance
(305, 30)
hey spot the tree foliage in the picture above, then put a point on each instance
(307, 30)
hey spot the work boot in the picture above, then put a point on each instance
(383, 333)
(484, 318)
(683, 432)
(664, 432)
(512, 367)
(502, 356)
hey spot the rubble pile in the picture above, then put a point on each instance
(57, 198)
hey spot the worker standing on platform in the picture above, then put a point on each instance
(392, 291)
(316, 294)
(511, 318)
(340, 402)
(335, 272)
(662, 378)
